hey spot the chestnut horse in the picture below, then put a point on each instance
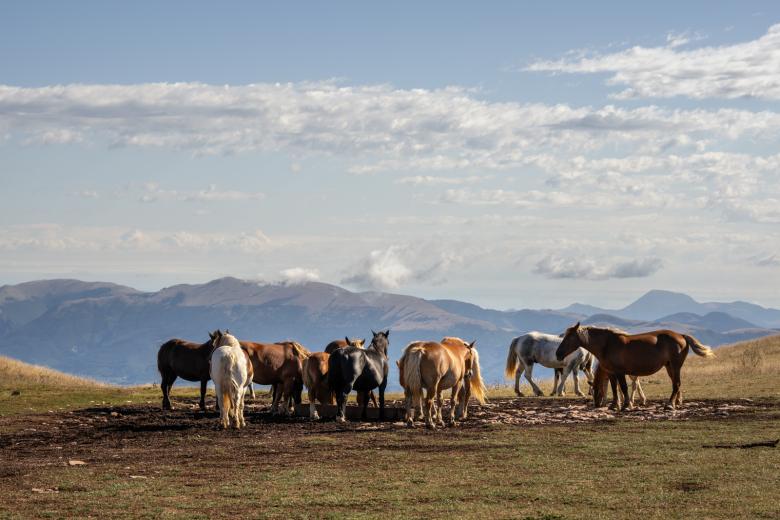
(315, 375)
(187, 360)
(281, 366)
(435, 367)
(599, 389)
(637, 355)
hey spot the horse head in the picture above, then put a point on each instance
(380, 341)
(214, 338)
(574, 338)
(359, 343)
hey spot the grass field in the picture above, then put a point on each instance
(140, 462)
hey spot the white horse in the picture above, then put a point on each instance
(538, 347)
(230, 374)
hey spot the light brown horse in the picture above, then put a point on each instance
(434, 367)
(643, 354)
(315, 375)
(280, 365)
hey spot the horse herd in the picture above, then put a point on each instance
(426, 370)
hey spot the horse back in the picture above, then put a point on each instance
(184, 358)
(335, 345)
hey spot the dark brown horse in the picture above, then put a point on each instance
(643, 354)
(315, 375)
(281, 366)
(346, 342)
(187, 360)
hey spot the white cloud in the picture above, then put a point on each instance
(430, 180)
(299, 275)
(397, 265)
(554, 266)
(744, 70)
(153, 193)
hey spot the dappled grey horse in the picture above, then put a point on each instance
(538, 347)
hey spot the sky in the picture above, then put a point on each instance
(507, 154)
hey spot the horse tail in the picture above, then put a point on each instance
(227, 384)
(411, 362)
(697, 347)
(307, 367)
(478, 389)
(512, 361)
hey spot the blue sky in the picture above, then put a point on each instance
(508, 154)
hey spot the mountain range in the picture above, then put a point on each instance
(112, 332)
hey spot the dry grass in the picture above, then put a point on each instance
(18, 373)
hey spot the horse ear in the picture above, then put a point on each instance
(372, 332)
(471, 345)
(387, 333)
(346, 338)
(577, 326)
(212, 335)
(227, 331)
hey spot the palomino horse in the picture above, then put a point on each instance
(187, 360)
(315, 375)
(538, 347)
(280, 365)
(637, 355)
(353, 368)
(231, 373)
(434, 367)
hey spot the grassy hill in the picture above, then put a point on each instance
(26, 388)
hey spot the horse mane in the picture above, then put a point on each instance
(611, 329)
(298, 349)
(228, 340)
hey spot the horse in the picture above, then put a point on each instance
(281, 366)
(637, 355)
(360, 343)
(352, 368)
(586, 367)
(434, 367)
(230, 371)
(315, 375)
(599, 387)
(538, 347)
(187, 360)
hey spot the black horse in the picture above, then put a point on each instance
(352, 368)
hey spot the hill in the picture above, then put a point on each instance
(111, 332)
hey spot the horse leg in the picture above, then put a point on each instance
(313, 415)
(518, 374)
(556, 377)
(576, 378)
(641, 393)
(165, 385)
(529, 372)
(382, 388)
(675, 387)
(429, 408)
(251, 390)
(615, 405)
(364, 400)
(288, 389)
(454, 404)
(439, 406)
(409, 405)
(624, 390)
(342, 396)
(203, 384)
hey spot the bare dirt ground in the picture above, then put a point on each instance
(103, 425)
(136, 460)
